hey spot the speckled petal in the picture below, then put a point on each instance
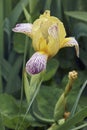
(36, 63)
(53, 31)
(70, 42)
(25, 28)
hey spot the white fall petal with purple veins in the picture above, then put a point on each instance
(25, 28)
(75, 43)
(72, 42)
(36, 63)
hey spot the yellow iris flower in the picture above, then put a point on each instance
(48, 36)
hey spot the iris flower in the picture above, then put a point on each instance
(48, 37)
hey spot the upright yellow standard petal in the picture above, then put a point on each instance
(48, 33)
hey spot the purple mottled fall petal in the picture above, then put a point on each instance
(36, 63)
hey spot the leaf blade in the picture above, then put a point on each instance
(79, 15)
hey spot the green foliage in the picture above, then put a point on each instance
(15, 49)
(77, 15)
(10, 113)
(1, 41)
(77, 100)
(43, 106)
(19, 43)
(53, 66)
(78, 117)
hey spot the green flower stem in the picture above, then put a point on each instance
(24, 59)
(32, 89)
(68, 87)
(61, 103)
(60, 108)
(34, 85)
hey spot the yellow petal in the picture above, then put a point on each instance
(54, 38)
(62, 32)
(48, 32)
(38, 41)
(46, 14)
(53, 46)
(70, 42)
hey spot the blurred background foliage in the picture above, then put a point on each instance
(15, 50)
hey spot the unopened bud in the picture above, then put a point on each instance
(72, 76)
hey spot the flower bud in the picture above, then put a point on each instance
(72, 77)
